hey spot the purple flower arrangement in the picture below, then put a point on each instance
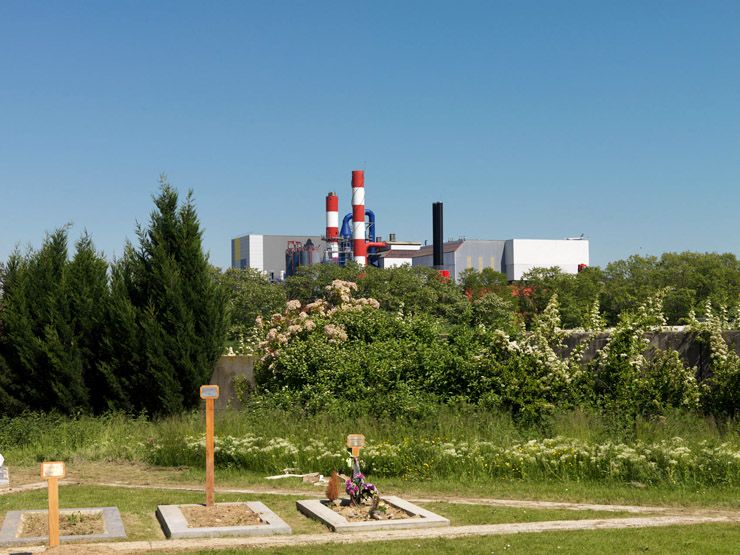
(359, 490)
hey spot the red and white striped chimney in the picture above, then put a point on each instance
(332, 226)
(359, 246)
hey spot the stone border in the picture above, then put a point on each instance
(112, 524)
(315, 508)
(175, 525)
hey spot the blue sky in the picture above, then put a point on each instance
(541, 119)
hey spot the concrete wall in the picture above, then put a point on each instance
(227, 368)
(691, 351)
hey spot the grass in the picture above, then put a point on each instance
(704, 539)
(417, 462)
(137, 508)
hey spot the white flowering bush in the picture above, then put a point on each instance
(721, 390)
(625, 383)
(526, 374)
(670, 461)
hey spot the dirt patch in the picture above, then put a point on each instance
(219, 515)
(361, 513)
(70, 524)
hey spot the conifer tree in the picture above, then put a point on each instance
(38, 344)
(169, 307)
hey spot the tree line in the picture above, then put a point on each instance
(141, 334)
(688, 281)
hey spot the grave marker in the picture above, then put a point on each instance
(52, 472)
(355, 442)
(209, 393)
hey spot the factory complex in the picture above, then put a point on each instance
(280, 256)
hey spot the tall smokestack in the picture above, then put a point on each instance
(359, 246)
(332, 226)
(437, 236)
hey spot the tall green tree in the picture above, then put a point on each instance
(42, 360)
(169, 309)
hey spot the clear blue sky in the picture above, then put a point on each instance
(544, 119)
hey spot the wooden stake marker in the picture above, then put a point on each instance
(355, 442)
(52, 472)
(210, 393)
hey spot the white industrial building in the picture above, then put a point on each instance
(513, 257)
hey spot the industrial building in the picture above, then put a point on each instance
(513, 257)
(279, 256)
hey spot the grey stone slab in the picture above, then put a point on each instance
(4, 477)
(175, 525)
(112, 524)
(315, 508)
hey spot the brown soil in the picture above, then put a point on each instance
(70, 524)
(360, 513)
(219, 515)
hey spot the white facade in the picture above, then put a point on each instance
(395, 262)
(256, 253)
(522, 255)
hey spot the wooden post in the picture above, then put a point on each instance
(51, 472)
(210, 394)
(210, 478)
(53, 512)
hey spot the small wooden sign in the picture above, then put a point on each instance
(53, 470)
(355, 442)
(209, 392)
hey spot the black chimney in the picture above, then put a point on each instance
(437, 234)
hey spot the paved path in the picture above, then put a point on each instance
(365, 537)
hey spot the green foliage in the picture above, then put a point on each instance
(722, 388)
(309, 282)
(168, 308)
(576, 293)
(477, 284)
(495, 312)
(48, 358)
(627, 384)
(75, 339)
(415, 290)
(249, 295)
(690, 279)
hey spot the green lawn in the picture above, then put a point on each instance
(137, 508)
(704, 539)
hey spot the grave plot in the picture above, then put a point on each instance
(365, 509)
(214, 520)
(55, 525)
(87, 524)
(392, 513)
(221, 519)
